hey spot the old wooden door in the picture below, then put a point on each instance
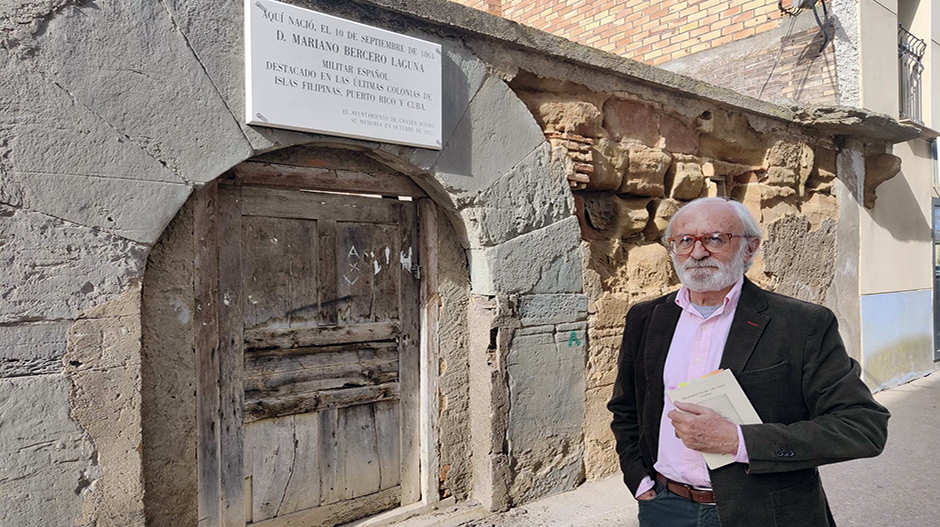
(320, 299)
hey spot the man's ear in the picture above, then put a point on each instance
(752, 245)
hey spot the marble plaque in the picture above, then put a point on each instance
(312, 72)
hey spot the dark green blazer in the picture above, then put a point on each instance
(789, 359)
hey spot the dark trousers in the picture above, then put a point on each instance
(669, 510)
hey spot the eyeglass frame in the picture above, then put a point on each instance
(700, 239)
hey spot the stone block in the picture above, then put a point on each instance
(824, 171)
(546, 416)
(168, 377)
(818, 208)
(610, 311)
(55, 269)
(686, 179)
(661, 211)
(610, 161)
(710, 189)
(603, 351)
(649, 266)
(777, 208)
(878, 169)
(534, 194)
(495, 134)
(801, 261)
(678, 136)
(55, 134)
(749, 195)
(781, 176)
(127, 74)
(552, 309)
(462, 74)
(807, 162)
(558, 112)
(48, 465)
(772, 192)
(787, 153)
(136, 210)
(647, 168)
(103, 361)
(600, 452)
(615, 216)
(32, 348)
(625, 119)
(543, 261)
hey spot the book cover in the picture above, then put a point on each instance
(721, 392)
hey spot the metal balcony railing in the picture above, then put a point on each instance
(910, 54)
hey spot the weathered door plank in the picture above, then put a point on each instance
(271, 361)
(274, 174)
(362, 452)
(354, 269)
(409, 358)
(231, 359)
(264, 339)
(387, 431)
(338, 513)
(264, 407)
(430, 364)
(323, 378)
(282, 203)
(206, 284)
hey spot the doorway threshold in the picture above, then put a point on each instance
(444, 513)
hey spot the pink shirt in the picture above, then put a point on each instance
(696, 349)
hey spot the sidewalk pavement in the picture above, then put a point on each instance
(897, 489)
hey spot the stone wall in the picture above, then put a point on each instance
(102, 143)
(632, 163)
(168, 377)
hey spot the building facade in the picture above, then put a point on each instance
(188, 337)
(875, 55)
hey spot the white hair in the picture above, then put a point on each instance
(748, 223)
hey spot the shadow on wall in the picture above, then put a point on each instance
(898, 208)
(813, 77)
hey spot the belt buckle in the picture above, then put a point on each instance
(695, 489)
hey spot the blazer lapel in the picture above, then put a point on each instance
(659, 336)
(746, 328)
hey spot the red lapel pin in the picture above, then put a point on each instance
(753, 323)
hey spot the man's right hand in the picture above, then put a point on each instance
(648, 495)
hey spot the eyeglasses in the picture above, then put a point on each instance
(714, 242)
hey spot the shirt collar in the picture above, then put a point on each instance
(729, 304)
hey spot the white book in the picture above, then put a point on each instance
(721, 392)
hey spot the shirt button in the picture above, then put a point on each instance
(697, 361)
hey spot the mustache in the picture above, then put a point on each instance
(704, 262)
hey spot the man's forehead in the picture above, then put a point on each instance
(716, 215)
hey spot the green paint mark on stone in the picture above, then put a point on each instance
(573, 339)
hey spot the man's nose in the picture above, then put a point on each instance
(699, 251)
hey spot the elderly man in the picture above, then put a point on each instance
(786, 355)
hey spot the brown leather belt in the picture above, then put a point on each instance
(687, 491)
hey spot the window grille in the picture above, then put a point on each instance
(910, 52)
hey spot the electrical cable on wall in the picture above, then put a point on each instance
(793, 12)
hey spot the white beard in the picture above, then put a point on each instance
(709, 274)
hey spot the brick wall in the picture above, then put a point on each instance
(802, 75)
(664, 32)
(644, 30)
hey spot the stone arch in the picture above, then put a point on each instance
(168, 419)
(506, 199)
